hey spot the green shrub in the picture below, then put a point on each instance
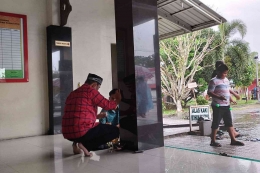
(169, 106)
(163, 106)
(202, 101)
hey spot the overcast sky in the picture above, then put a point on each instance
(246, 10)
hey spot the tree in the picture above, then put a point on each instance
(227, 31)
(181, 59)
(240, 63)
(147, 62)
(234, 51)
(224, 37)
(178, 54)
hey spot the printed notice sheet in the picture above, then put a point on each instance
(11, 48)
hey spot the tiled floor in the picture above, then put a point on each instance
(201, 143)
(53, 154)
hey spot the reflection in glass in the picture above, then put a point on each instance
(140, 109)
(60, 78)
(56, 90)
(145, 71)
(143, 91)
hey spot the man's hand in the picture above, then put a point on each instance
(234, 102)
(212, 94)
(222, 98)
(235, 94)
(101, 115)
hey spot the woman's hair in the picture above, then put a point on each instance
(222, 68)
(218, 63)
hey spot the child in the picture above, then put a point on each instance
(112, 117)
(220, 92)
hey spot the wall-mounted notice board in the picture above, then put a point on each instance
(13, 48)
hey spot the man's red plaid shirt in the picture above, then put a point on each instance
(80, 111)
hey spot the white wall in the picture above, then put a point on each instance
(23, 106)
(93, 31)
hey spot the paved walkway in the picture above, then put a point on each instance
(246, 119)
(175, 131)
(251, 150)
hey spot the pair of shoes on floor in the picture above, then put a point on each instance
(235, 143)
(219, 137)
(220, 132)
(119, 147)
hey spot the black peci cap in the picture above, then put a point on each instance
(95, 78)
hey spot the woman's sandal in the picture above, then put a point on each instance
(118, 147)
(85, 151)
(215, 144)
(219, 137)
(237, 143)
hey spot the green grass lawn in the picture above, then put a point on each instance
(169, 112)
(173, 111)
(246, 103)
(240, 104)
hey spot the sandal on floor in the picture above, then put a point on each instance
(237, 143)
(118, 147)
(215, 144)
(219, 138)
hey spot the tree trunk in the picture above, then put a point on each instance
(178, 106)
(246, 93)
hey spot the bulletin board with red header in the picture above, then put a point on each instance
(13, 48)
